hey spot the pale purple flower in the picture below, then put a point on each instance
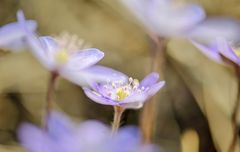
(214, 27)
(68, 56)
(167, 18)
(170, 18)
(131, 94)
(219, 50)
(90, 136)
(12, 35)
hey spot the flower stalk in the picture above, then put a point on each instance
(50, 96)
(149, 113)
(118, 111)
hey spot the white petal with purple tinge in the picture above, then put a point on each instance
(210, 29)
(98, 98)
(93, 74)
(149, 80)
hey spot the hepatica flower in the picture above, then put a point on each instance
(220, 51)
(131, 94)
(68, 56)
(60, 53)
(12, 35)
(90, 136)
(166, 17)
(213, 27)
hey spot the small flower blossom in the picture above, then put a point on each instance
(131, 94)
(171, 18)
(167, 18)
(220, 51)
(91, 136)
(12, 35)
(68, 56)
(211, 28)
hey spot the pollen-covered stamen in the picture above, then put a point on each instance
(118, 91)
(68, 44)
(71, 42)
(61, 56)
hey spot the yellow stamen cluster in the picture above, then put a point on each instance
(119, 91)
(61, 56)
(68, 44)
(71, 42)
(121, 94)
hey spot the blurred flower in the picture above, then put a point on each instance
(211, 28)
(220, 51)
(131, 94)
(11, 35)
(90, 136)
(170, 18)
(167, 18)
(68, 56)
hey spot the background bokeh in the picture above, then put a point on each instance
(199, 94)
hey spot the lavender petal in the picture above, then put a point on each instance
(93, 74)
(211, 53)
(98, 98)
(85, 58)
(149, 80)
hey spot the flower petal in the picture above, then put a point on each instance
(59, 126)
(211, 53)
(37, 48)
(139, 9)
(93, 74)
(135, 97)
(132, 105)
(171, 19)
(143, 96)
(155, 88)
(149, 80)
(98, 98)
(210, 29)
(84, 58)
(13, 31)
(93, 132)
(34, 139)
(226, 50)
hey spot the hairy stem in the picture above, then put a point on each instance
(149, 113)
(118, 111)
(49, 97)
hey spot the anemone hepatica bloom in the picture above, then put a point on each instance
(68, 56)
(131, 94)
(220, 51)
(12, 35)
(91, 136)
(166, 17)
(211, 28)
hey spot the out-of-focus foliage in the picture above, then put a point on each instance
(214, 87)
(108, 26)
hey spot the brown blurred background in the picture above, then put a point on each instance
(199, 94)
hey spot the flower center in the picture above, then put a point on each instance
(71, 42)
(121, 94)
(119, 91)
(68, 44)
(62, 56)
